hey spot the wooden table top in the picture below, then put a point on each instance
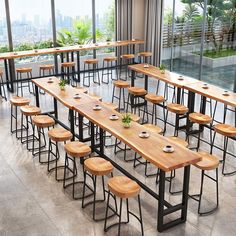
(213, 92)
(66, 97)
(75, 48)
(149, 148)
(168, 77)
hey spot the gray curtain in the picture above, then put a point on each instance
(153, 29)
(124, 22)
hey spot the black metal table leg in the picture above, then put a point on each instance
(81, 134)
(37, 96)
(185, 193)
(72, 123)
(7, 74)
(55, 108)
(146, 83)
(179, 95)
(101, 141)
(132, 78)
(78, 65)
(191, 101)
(160, 217)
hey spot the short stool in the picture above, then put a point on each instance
(68, 71)
(91, 65)
(125, 60)
(108, 66)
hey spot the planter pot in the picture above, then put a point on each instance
(163, 71)
(126, 125)
(62, 88)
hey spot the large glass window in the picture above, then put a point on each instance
(3, 28)
(31, 24)
(74, 22)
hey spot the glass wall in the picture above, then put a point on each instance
(3, 28)
(202, 44)
(31, 24)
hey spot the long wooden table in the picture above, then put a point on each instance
(8, 57)
(150, 148)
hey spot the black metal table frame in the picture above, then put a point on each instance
(164, 207)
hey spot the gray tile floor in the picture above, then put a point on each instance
(33, 203)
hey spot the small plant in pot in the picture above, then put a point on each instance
(162, 68)
(62, 84)
(126, 120)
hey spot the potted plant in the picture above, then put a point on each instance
(126, 120)
(62, 84)
(162, 68)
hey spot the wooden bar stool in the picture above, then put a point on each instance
(145, 57)
(92, 71)
(16, 102)
(134, 96)
(121, 85)
(123, 188)
(56, 135)
(40, 122)
(125, 60)
(228, 131)
(208, 163)
(180, 111)
(155, 129)
(200, 119)
(96, 167)
(74, 150)
(155, 100)
(27, 112)
(68, 71)
(46, 70)
(2, 87)
(108, 64)
(20, 84)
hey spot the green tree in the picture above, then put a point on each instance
(110, 22)
(190, 12)
(4, 48)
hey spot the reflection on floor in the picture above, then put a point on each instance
(33, 203)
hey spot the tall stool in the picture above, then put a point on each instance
(108, 64)
(155, 129)
(155, 100)
(2, 87)
(20, 84)
(28, 112)
(121, 85)
(41, 122)
(180, 111)
(68, 70)
(16, 102)
(145, 57)
(56, 135)
(208, 163)
(74, 150)
(96, 167)
(134, 94)
(227, 131)
(123, 188)
(200, 119)
(125, 60)
(92, 67)
(46, 68)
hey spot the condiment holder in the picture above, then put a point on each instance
(181, 78)
(205, 86)
(225, 93)
(144, 134)
(57, 49)
(168, 149)
(118, 41)
(77, 96)
(97, 107)
(50, 80)
(35, 51)
(96, 44)
(133, 40)
(146, 66)
(114, 117)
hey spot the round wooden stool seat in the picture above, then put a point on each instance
(43, 121)
(23, 70)
(1, 72)
(177, 108)
(91, 61)
(153, 128)
(123, 187)
(95, 96)
(59, 134)
(77, 149)
(19, 101)
(30, 110)
(121, 84)
(137, 91)
(225, 130)
(153, 98)
(98, 166)
(127, 56)
(200, 118)
(108, 59)
(68, 64)
(179, 141)
(110, 105)
(145, 54)
(46, 67)
(208, 161)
